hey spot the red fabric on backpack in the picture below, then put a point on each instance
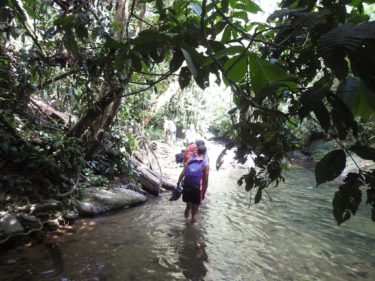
(190, 151)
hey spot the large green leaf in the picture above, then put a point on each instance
(232, 50)
(360, 99)
(184, 77)
(189, 62)
(237, 67)
(265, 74)
(347, 199)
(248, 6)
(330, 167)
(176, 60)
(227, 34)
(322, 115)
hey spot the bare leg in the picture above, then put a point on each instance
(194, 212)
(187, 209)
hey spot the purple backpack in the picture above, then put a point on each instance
(193, 174)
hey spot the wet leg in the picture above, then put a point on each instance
(187, 209)
(194, 212)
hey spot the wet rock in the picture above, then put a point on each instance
(9, 224)
(351, 167)
(98, 200)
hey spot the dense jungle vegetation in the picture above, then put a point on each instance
(83, 82)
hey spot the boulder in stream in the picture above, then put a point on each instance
(98, 200)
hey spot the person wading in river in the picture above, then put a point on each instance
(195, 182)
(191, 151)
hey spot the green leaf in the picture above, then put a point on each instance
(224, 5)
(342, 117)
(160, 8)
(347, 199)
(184, 78)
(240, 15)
(250, 179)
(227, 34)
(355, 93)
(237, 67)
(365, 152)
(249, 6)
(232, 50)
(176, 60)
(202, 79)
(189, 62)
(136, 62)
(265, 74)
(70, 42)
(229, 51)
(322, 115)
(330, 167)
(120, 59)
(258, 196)
(314, 95)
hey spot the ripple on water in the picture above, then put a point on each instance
(294, 237)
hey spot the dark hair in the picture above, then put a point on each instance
(202, 149)
(199, 142)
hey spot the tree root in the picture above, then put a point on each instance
(51, 205)
(39, 228)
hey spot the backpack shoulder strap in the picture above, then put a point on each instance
(195, 161)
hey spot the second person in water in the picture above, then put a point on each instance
(195, 181)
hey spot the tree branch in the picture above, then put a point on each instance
(57, 78)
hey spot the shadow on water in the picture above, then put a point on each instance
(191, 251)
(56, 256)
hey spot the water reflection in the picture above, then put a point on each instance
(192, 253)
(56, 256)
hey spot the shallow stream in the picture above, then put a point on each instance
(294, 237)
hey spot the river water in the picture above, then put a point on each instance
(294, 237)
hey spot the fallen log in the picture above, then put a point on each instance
(150, 180)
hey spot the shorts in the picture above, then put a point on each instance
(192, 195)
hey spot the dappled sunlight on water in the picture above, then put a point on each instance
(294, 237)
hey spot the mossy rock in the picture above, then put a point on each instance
(319, 149)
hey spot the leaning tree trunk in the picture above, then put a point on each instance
(111, 112)
(96, 122)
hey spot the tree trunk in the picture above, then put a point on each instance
(141, 16)
(98, 119)
(111, 112)
(85, 123)
(161, 101)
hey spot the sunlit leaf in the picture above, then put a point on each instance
(189, 62)
(197, 8)
(264, 74)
